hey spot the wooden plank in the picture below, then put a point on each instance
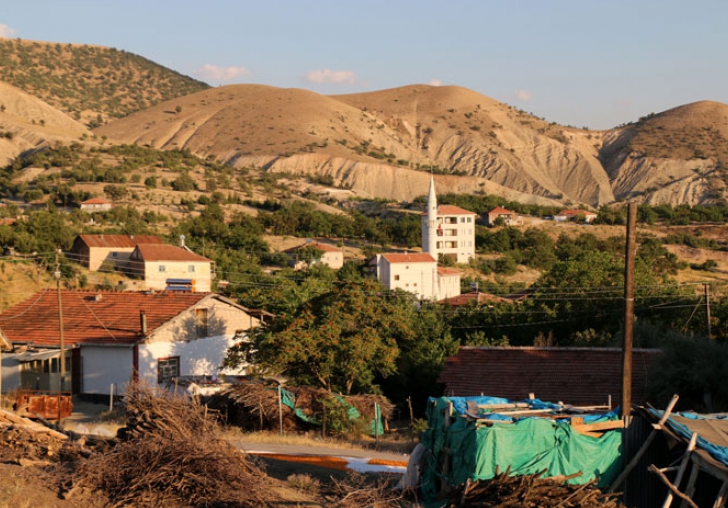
(593, 427)
(645, 446)
(681, 471)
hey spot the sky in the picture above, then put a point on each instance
(584, 63)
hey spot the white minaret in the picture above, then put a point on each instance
(429, 231)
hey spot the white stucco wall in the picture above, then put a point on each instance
(156, 279)
(200, 357)
(10, 372)
(417, 278)
(449, 286)
(101, 366)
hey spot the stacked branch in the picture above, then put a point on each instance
(256, 406)
(25, 442)
(171, 455)
(530, 491)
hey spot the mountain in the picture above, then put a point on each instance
(383, 144)
(380, 144)
(91, 83)
(28, 123)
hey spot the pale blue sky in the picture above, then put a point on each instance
(594, 63)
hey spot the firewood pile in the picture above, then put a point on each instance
(27, 443)
(529, 491)
(171, 455)
(255, 406)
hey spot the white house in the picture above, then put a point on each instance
(166, 267)
(96, 205)
(448, 230)
(331, 256)
(113, 337)
(575, 216)
(418, 274)
(92, 250)
(509, 218)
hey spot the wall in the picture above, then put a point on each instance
(103, 365)
(449, 286)
(154, 279)
(417, 278)
(198, 356)
(10, 372)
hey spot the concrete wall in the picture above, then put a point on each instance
(201, 272)
(101, 366)
(417, 278)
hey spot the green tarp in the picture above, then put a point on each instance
(526, 445)
(289, 399)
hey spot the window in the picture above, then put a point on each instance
(191, 268)
(167, 369)
(162, 268)
(439, 245)
(114, 255)
(201, 323)
(462, 219)
(396, 277)
(470, 219)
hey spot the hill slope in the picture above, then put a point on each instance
(27, 122)
(380, 143)
(87, 81)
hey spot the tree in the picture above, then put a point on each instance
(340, 340)
(115, 192)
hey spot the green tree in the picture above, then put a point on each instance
(341, 340)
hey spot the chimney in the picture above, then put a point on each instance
(97, 297)
(143, 321)
(182, 241)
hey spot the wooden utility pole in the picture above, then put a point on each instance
(630, 252)
(706, 289)
(57, 275)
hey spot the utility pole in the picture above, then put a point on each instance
(57, 275)
(706, 289)
(629, 260)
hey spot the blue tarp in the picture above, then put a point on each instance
(719, 453)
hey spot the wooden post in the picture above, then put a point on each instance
(681, 471)
(376, 426)
(645, 446)
(280, 408)
(630, 251)
(446, 455)
(111, 397)
(706, 289)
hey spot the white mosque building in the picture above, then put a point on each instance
(447, 230)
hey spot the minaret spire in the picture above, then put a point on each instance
(432, 225)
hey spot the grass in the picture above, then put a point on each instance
(388, 442)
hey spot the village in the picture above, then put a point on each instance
(173, 333)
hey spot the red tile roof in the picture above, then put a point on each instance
(453, 210)
(447, 271)
(323, 246)
(501, 210)
(408, 258)
(162, 252)
(98, 317)
(574, 213)
(476, 298)
(579, 376)
(96, 201)
(117, 241)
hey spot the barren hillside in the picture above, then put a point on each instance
(27, 122)
(383, 144)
